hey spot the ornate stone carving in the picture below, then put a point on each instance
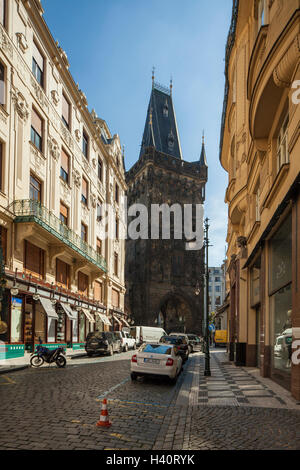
(55, 97)
(5, 43)
(242, 242)
(93, 199)
(22, 42)
(86, 165)
(76, 178)
(53, 148)
(39, 93)
(78, 135)
(20, 104)
(66, 136)
(283, 73)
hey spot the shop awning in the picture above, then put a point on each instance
(88, 315)
(48, 307)
(125, 322)
(117, 320)
(68, 311)
(104, 319)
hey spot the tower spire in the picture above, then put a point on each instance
(202, 160)
(171, 85)
(153, 76)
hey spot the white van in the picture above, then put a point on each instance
(146, 334)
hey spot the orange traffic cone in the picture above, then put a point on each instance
(104, 421)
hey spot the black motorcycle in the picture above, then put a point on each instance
(43, 354)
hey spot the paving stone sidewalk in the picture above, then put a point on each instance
(234, 409)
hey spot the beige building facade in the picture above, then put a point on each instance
(62, 195)
(260, 149)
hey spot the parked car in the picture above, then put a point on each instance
(127, 342)
(183, 335)
(180, 343)
(195, 342)
(146, 334)
(156, 359)
(102, 342)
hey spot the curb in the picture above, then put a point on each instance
(13, 369)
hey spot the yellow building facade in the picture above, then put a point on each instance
(260, 150)
(63, 251)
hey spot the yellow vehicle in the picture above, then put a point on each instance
(221, 337)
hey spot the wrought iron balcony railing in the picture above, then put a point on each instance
(27, 210)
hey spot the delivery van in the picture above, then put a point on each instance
(220, 337)
(146, 334)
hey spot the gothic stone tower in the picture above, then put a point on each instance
(161, 274)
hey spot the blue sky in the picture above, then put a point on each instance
(112, 46)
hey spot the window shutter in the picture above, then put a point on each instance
(34, 258)
(64, 210)
(38, 57)
(84, 188)
(65, 109)
(62, 273)
(64, 161)
(83, 283)
(98, 291)
(115, 298)
(37, 123)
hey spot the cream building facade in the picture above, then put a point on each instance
(62, 188)
(260, 150)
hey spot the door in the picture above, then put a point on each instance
(28, 324)
(258, 336)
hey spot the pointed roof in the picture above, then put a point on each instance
(161, 127)
(202, 159)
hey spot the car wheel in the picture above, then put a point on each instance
(90, 354)
(133, 376)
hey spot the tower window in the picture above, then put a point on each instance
(166, 109)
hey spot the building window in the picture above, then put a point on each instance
(36, 130)
(217, 279)
(3, 6)
(3, 238)
(66, 108)
(85, 145)
(35, 189)
(116, 264)
(117, 193)
(34, 259)
(218, 289)
(38, 65)
(98, 291)
(84, 194)
(1, 165)
(83, 283)
(64, 167)
(257, 204)
(99, 211)
(282, 144)
(261, 14)
(99, 246)
(100, 169)
(117, 228)
(62, 274)
(2, 85)
(64, 214)
(83, 232)
(115, 298)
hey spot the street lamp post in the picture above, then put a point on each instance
(207, 372)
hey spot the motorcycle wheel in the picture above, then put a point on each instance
(61, 361)
(36, 361)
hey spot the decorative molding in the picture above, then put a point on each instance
(283, 73)
(53, 148)
(39, 93)
(66, 136)
(20, 104)
(22, 42)
(5, 42)
(78, 135)
(76, 178)
(55, 97)
(93, 200)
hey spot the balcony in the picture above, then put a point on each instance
(27, 211)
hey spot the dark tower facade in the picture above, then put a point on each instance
(161, 274)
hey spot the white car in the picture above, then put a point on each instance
(156, 359)
(127, 342)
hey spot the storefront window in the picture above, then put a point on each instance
(51, 330)
(61, 327)
(16, 320)
(40, 324)
(281, 296)
(281, 308)
(81, 327)
(4, 331)
(75, 327)
(28, 323)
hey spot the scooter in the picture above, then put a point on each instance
(43, 354)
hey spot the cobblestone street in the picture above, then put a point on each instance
(51, 408)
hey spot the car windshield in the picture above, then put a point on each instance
(170, 340)
(157, 349)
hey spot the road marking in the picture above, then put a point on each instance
(9, 381)
(139, 403)
(112, 389)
